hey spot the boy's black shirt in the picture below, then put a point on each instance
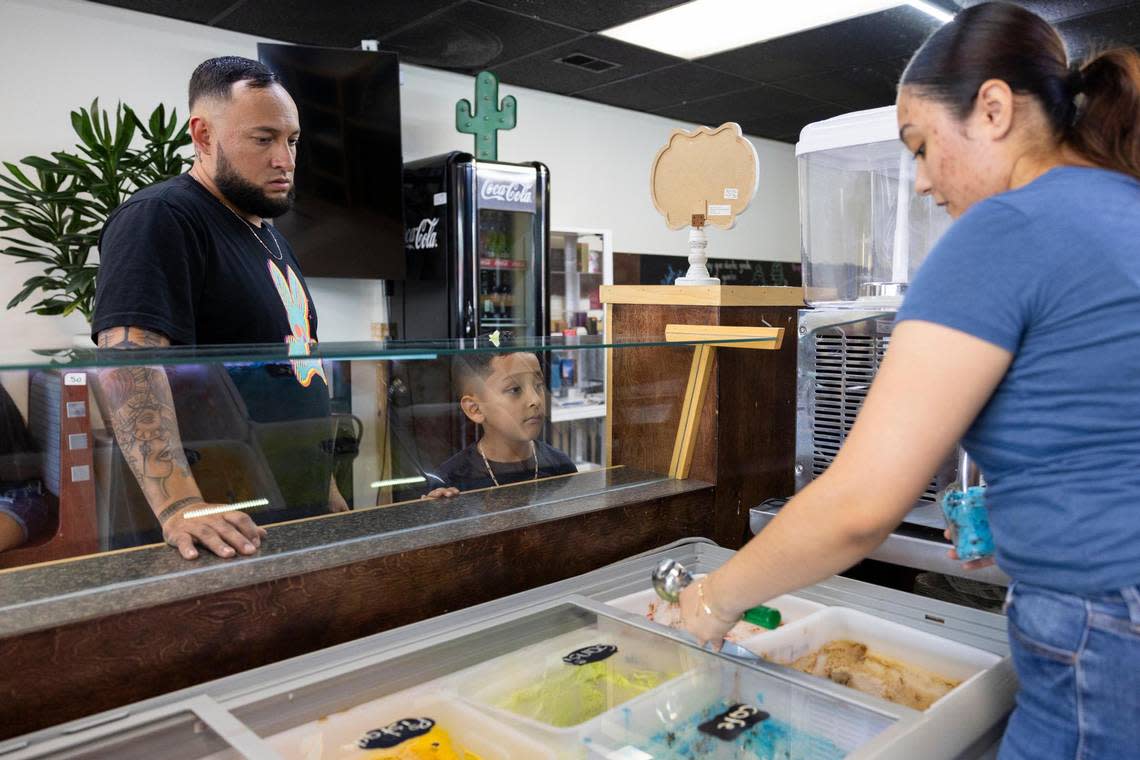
(467, 471)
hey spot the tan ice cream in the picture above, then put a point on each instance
(849, 663)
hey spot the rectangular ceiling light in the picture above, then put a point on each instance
(704, 27)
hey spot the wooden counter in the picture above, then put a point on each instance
(82, 636)
(745, 441)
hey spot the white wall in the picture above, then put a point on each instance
(56, 55)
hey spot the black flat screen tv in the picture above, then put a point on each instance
(348, 217)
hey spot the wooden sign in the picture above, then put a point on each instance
(713, 172)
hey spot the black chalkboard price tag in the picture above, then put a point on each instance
(733, 722)
(593, 653)
(396, 733)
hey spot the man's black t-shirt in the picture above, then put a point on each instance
(466, 470)
(175, 260)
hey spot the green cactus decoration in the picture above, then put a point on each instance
(485, 118)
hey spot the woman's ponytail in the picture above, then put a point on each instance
(1106, 127)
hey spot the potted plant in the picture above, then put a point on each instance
(54, 209)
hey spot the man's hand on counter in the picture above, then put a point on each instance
(225, 534)
(441, 493)
(337, 501)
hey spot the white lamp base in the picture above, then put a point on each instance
(698, 273)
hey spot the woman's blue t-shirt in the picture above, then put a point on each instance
(1051, 273)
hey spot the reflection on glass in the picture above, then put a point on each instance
(238, 506)
(504, 397)
(380, 426)
(27, 513)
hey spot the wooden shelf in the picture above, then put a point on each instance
(702, 295)
(585, 411)
(492, 264)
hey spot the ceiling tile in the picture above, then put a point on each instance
(666, 87)
(788, 125)
(753, 104)
(343, 23)
(200, 11)
(772, 88)
(890, 34)
(543, 71)
(858, 87)
(589, 15)
(472, 36)
(1054, 10)
(1120, 26)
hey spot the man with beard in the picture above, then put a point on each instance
(193, 261)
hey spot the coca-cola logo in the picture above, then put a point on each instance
(423, 235)
(506, 192)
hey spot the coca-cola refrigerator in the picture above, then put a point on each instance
(476, 240)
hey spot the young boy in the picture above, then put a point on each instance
(504, 394)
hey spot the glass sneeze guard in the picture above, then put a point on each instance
(290, 434)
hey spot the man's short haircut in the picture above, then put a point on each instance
(215, 78)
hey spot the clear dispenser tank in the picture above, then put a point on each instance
(863, 231)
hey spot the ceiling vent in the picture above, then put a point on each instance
(588, 62)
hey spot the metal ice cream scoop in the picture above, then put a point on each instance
(669, 578)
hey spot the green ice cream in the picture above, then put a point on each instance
(574, 694)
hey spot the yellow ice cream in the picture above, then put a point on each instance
(436, 744)
(576, 693)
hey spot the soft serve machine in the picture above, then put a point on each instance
(863, 234)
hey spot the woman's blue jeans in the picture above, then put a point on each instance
(1078, 661)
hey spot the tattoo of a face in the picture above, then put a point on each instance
(142, 414)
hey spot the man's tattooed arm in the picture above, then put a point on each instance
(138, 403)
(131, 337)
(141, 412)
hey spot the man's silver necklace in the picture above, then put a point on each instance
(533, 453)
(253, 231)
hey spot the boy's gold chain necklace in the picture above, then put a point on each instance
(533, 453)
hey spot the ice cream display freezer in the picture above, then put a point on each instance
(590, 668)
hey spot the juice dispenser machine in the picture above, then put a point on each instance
(864, 233)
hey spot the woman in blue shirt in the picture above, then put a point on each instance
(1020, 336)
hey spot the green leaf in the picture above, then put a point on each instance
(30, 286)
(81, 123)
(52, 307)
(26, 254)
(22, 178)
(36, 162)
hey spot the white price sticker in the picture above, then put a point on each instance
(75, 378)
(720, 210)
(439, 199)
(731, 194)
